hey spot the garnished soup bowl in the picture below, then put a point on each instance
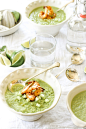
(70, 96)
(26, 73)
(51, 29)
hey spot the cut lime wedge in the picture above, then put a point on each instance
(17, 58)
(18, 62)
(4, 60)
(14, 53)
(9, 53)
(85, 69)
(32, 40)
(27, 44)
(1, 61)
(15, 87)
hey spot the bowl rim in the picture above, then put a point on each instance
(32, 114)
(16, 24)
(68, 107)
(46, 25)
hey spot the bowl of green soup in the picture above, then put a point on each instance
(31, 101)
(36, 15)
(76, 103)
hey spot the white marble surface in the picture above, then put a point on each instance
(59, 117)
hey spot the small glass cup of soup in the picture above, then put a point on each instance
(42, 50)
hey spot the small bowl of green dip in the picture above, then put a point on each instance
(76, 103)
(24, 107)
(50, 26)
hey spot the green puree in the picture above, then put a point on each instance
(20, 103)
(60, 16)
(78, 105)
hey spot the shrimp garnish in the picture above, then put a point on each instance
(30, 96)
(50, 10)
(51, 14)
(29, 89)
(48, 14)
(33, 87)
(32, 90)
(42, 14)
(51, 17)
(37, 92)
(25, 89)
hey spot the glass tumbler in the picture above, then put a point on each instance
(42, 50)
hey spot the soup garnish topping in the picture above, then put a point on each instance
(48, 14)
(32, 90)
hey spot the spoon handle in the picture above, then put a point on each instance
(63, 70)
(65, 5)
(56, 64)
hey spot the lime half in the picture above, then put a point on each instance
(17, 59)
(26, 44)
(85, 69)
(15, 87)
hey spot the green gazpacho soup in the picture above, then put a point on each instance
(20, 103)
(78, 105)
(60, 16)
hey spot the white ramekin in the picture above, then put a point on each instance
(70, 96)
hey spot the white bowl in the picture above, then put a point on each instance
(70, 96)
(13, 29)
(13, 68)
(50, 29)
(26, 73)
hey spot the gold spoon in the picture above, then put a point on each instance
(75, 59)
(72, 75)
(56, 64)
(65, 5)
